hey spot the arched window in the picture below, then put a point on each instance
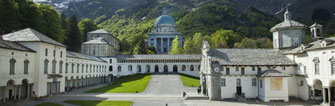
(86, 68)
(119, 68)
(61, 66)
(46, 62)
(198, 67)
(82, 68)
(54, 66)
(78, 68)
(148, 68)
(110, 68)
(12, 66)
(66, 67)
(139, 69)
(25, 67)
(191, 68)
(72, 68)
(130, 68)
(183, 68)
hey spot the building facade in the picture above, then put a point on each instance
(164, 31)
(292, 69)
(33, 64)
(101, 43)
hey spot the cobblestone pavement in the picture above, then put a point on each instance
(162, 90)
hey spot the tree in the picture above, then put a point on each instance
(246, 43)
(188, 46)
(264, 43)
(176, 49)
(52, 21)
(86, 25)
(224, 38)
(74, 38)
(9, 13)
(197, 43)
(140, 48)
(65, 25)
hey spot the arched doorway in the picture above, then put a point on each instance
(10, 89)
(156, 69)
(318, 90)
(166, 68)
(139, 70)
(24, 89)
(148, 69)
(332, 92)
(175, 68)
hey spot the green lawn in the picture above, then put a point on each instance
(189, 81)
(48, 104)
(99, 103)
(126, 84)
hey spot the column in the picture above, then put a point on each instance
(168, 46)
(28, 91)
(14, 92)
(3, 94)
(161, 45)
(324, 94)
(329, 96)
(313, 93)
(19, 93)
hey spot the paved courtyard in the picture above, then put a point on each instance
(161, 90)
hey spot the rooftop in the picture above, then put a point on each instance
(165, 19)
(29, 35)
(328, 42)
(13, 46)
(99, 31)
(288, 24)
(273, 73)
(249, 57)
(82, 56)
(159, 56)
(99, 40)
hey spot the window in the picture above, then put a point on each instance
(223, 82)
(254, 82)
(25, 67)
(46, 62)
(61, 54)
(66, 67)
(259, 70)
(54, 53)
(77, 68)
(119, 68)
(192, 68)
(253, 68)
(130, 68)
(332, 68)
(238, 82)
(261, 83)
(72, 68)
(12, 66)
(86, 68)
(237, 68)
(54, 66)
(82, 68)
(110, 68)
(316, 66)
(110, 60)
(46, 52)
(90, 68)
(61, 66)
(301, 83)
(227, 71)
(242, 71)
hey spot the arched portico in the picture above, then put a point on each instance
(166, 68)
(331, 92)
(156, 69)
(317, 91)
(148, 68)
(175, 68)
(10, 90)
(25, 89)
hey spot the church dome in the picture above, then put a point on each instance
(165, 19)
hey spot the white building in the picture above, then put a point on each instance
(292, 69)
(33, 64)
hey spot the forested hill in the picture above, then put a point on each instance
(236, 23)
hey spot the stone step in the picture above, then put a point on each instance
(196, 97)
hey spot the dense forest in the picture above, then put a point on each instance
(224, 23)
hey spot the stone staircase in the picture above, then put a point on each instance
(196, 97)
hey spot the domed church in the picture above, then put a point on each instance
(163, 33)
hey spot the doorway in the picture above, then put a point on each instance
(156, 69)
(10, 94)
(239, 90)
(175, 68)
(165, 68)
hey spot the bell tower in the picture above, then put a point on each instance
(316, 31)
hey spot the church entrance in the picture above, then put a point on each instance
(332, 93)
(156, 68)
(165, 68)
(175, 68)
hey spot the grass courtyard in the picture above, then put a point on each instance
(126, 84)
(48, 104)
(189, 81)
(99, 103)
